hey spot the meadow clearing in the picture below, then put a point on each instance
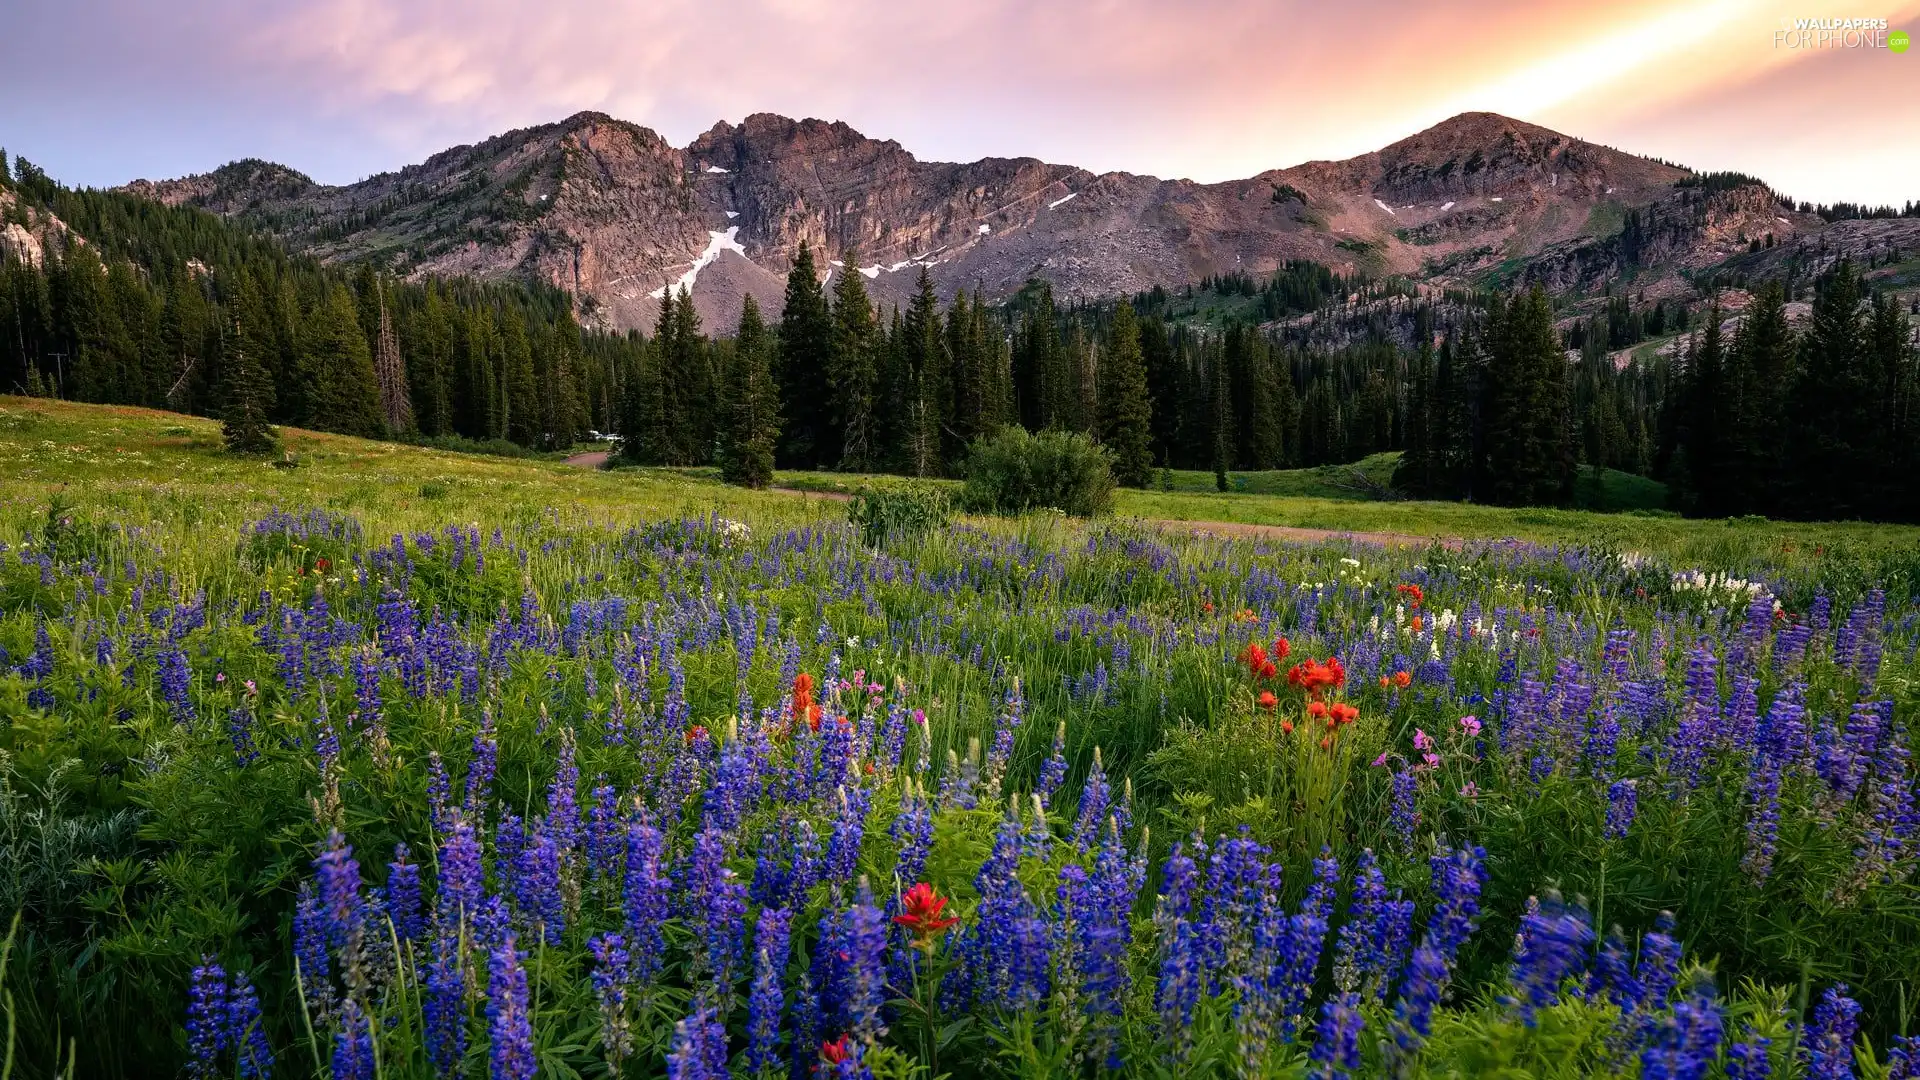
(400, 762)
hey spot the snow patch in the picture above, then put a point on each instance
(1496, 198)
(716, 169)
(835, 262)
(1609, 191)
(1384, 206)
(871, 271)
(1064, 199)
(1446, 208)
(985, 228)
(899, 266)
(1783, 221)
(731, 215)
(717, 242)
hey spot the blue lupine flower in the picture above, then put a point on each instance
(612, 969)
(509, 1026)
(310, 947)
(913, 831)
(207, 1032)
(1750, 1059)
(644, 901)
(1683, 1044)
(699, 1050)
(1179, 988)
(1094, 800)
(245, 1032)
(766, 1001)
(353, 1045)
(443, 1007)
(1623, 803)
(1550, 949)
(1336, 1044)
(403, 897)
(1419, 992)
(1054, 772)
(1402, 818)
(1829, 1043)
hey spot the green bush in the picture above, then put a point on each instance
(906, 512)
(1012, 472)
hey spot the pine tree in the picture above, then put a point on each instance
(927, 391)
(806, 356)
(517, 384)
(753, 404)
(852, 374)
(1126, 411)
(339, 391)
(1831, 442)
(248, 391)
(1764, 353)
(1529, 451)
(1419, 469)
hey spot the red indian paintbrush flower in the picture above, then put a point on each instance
(1268, 701)
(804, 709)
(920, 912)
(836, 1051)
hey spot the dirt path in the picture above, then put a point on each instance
(597, 459)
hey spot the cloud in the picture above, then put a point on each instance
(1211, 89)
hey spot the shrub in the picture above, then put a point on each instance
(1012, 472)
(908, 512)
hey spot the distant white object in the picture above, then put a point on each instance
(1783, 221)
(1063, 199)
(985, 228)
(716, 243)
(715, 168)
(1445, 207)
(1496, 198)
(1384, 206)
(731, 215)
(1609, 191)
(1554, 180)
(544, 198)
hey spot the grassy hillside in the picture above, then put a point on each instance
(133, 462)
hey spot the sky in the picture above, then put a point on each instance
(99, 92)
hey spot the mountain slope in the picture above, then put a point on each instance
(611, 211)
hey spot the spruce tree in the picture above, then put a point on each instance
(925, 411)
(339, 391)
(752, 404)
(851, 373)
(1126, 411)
(517, 383)
(1831, 439)
(811, 438)
(247, 392)
(1529, 451)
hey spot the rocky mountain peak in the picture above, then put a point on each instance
(613, 212)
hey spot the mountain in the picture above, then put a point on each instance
(611, 211)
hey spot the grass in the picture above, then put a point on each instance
(139, 464)
(136, 463)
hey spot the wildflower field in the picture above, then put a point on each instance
(406, 764)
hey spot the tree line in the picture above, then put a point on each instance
(174, 308)
(1487, 397)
